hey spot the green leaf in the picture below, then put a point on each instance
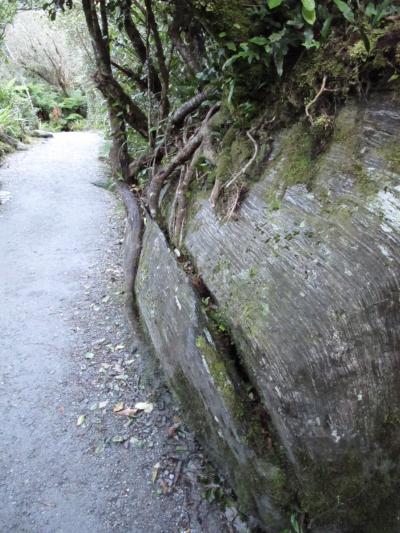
(365, 40)
(272, 4)
(326, 27)
(295, 524)
(381, 11)
(261, 41)
(309, 5)
(277, 36)
(309, 16)
(370, 10)
(231, 46)
(346, 10)
(309, 41)
(230, 61)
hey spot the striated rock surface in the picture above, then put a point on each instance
(307, 279)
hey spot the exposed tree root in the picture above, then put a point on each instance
(243, 170)
(183, 155)
(188, 107)
(215, 193)
(234, 200)
(181, 197)
(315, 99)
(132, 250)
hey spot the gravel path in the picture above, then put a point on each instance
(71, 459)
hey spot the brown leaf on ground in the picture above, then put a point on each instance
(171, 431)
(129, 411)
(118, 407)
(164, 487)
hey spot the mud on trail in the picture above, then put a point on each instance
(71, 457)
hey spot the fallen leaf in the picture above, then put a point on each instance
(164, 487)
(144, 406)
(154, 472)
(171, 431)
(80, 421)
(118, 407)
(120, 347)
(136, 442)
(129, 411)
(118, 439)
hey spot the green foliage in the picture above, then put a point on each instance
(8, 9)
(342, 35)
(292, 24)
(44, 99)
(17, 113)
(75, 102)
(22, 107)
(60, 112)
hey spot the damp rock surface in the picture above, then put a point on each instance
(306, 278)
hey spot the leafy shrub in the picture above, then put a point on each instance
(58, 110)
(291, 24)
(17, 112)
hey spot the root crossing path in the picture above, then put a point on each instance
(68, 462)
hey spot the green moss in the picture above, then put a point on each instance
(347, 494)
(235, 152)
(273, 199)
(217, 369)
(248, 416)
(358, 52)
(296, 165)
(297, 151)
(391, 155)
(363, 180)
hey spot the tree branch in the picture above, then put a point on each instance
(164, 72)
(140, 48)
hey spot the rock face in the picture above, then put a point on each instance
(307, 279)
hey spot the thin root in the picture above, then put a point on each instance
(314, 100)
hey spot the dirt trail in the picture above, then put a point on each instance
(64, 349)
